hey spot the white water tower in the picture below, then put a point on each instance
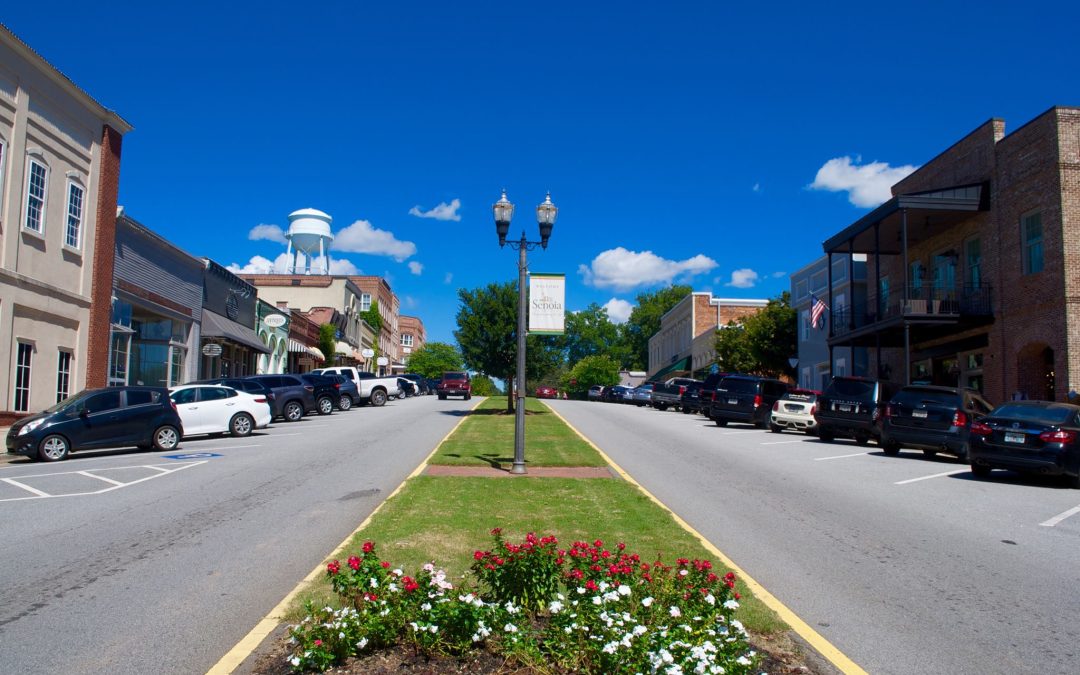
(309, 234)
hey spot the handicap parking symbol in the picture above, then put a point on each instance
(193, 455)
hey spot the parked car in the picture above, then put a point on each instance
(455, 383)
(668, 394)
(642, 394)
(214, 409)
(931, 419)
(421, 383)
(690, 401)
(596, 392)
(326, 392)
(745, 398)
(294, 397)
(1030, 437)
(853, 407)
(547, 392)
(251, 386)
(373, 389)
(795, 410)
(614, 394)
(708, 391)
(99, 418)
(407, 387)
(348, 392)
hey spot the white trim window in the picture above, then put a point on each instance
(37, 184)
(73, 237)
(63, 374)
(23, 361)
(365, 302)
(406, 340)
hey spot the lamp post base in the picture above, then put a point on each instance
(518, 469)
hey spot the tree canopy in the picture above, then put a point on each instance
(434, 359)
(762, 342)
(644, 322)
(590, 332)
(328, 343)
(596, 369)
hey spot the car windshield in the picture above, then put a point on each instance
(851, 388)
(1034, 413)
(922, 397)
(738, 385)
(68, 401)
(455, 376)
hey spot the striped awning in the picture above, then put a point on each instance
(317, 353)
(298, 347)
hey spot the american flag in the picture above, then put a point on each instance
(817, 308)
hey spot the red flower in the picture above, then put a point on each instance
(683, 561)
(598, 543)
(478, 555)
(591, 585)
(318, 643)
(730, 576)
(369, 546)
(385, 565)
(622, 546)
(737, 596)
(496, 532)
(333, 567)
(354, 562)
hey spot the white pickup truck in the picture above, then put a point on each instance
(373, 389)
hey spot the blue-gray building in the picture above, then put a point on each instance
(848, 288)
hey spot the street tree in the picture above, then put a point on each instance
(762, 342)
(435, 358)
(590, 332)
(328, 342)
(597, 369)
(644, 322)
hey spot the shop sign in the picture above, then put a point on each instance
(383, 361)
(274, 320)
(211, 349)
(367, 353)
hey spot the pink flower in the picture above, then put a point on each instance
(333, 567)
(354, 562)
(369, 546)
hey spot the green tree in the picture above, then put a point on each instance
(733, 349)
(435, 358)
(590, 332)
(372, 318)
(644, 322)
(483, 386)
(597, 369)
(762, 342)
(487, 334)
(328, 342)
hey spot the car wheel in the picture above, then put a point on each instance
(241, 424)
(468, 397)
(325, 405)
(166, 438)
(345, 402)
(980, 471)
(442, 397)
(686, 411)
(826, 435)
(930, 454)
(378, 398)
(53, 448)
(775, 428)
(294, 412)
(862, 439)
(890, 448)
(720, 422)
(1073, 481)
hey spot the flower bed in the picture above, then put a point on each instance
(584, 609)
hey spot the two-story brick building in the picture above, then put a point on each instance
(413, 336)
(973, 265)
(59, 177)
(686, 342)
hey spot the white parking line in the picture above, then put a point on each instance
(172, 468)
(854, 454)
(280, 435)
(17, 484)
(1060, 517)
(936, 475)
(738, 431)
(107, 480)
(783, 442)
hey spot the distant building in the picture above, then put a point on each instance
(59, 177)
(413, 336)
(685, 345)
(230, 346)
(373, 289)
(848, 289)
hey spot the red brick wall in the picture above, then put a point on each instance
(1069, 167)
(966, 162)
(97, 358)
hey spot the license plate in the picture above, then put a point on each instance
(918, 413)
(844, 408)
(792, 408)
(733, 401)
(1014, 438)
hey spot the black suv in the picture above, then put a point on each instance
(295, 398)
(326, 391)
(99, 418)
(853, 407)
(422, 386)
(932, 419)
(708, 391)
(745, 398)
(690, 401)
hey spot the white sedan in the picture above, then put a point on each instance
(214, 409)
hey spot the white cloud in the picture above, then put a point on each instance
(778, 275)
(623, 270)
(757, 187)
(280, 265)
(409, 301)
(867, 185)
(362, 237)
(448, 278)
(416, 268)
(443, 211)
(743, 278)
(618, 310)
(268, 232)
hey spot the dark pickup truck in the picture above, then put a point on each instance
(669, 394)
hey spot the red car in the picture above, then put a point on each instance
(547, 392)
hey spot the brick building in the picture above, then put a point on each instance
(412, 333)
(685, 343)
(59, 177)
(973, 267)
(374, 289)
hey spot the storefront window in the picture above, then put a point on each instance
(118, 358)
(176, 365)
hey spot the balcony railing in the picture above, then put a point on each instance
(916, 302)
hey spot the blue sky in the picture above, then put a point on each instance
(682, 142)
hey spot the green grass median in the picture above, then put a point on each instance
(443, 519)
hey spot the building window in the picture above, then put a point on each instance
(883, 295)
(806, 380)
(23, 359)
(917, 274)
(819, 281)
(841, 367)
(839, 269)
(63, 375)
(36, 183)
(406, 340)
(800, 289)
(176, 365)
(118, 358)
(973, 262)
(1032, 237)
(74, 216)
(804, 325)
(365, 302)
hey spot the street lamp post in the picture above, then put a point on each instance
(545, 218)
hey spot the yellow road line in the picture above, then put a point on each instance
(250, 642)
(815, 639)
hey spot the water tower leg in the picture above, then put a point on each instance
(322, 254)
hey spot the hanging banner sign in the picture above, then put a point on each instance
(547, 304)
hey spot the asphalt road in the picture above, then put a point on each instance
(146, 564)
(905, 564)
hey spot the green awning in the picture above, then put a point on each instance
(679, 366)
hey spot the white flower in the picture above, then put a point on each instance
(510, 628)
(596, 600)
(393, 588)
(743, 661)
(731, 604)
(675, 611)
(555, 607)
(398, 573)
(711, 599)
(362, 643)
(341, 636)
(510, 609)
(683, 573)
(611, 596)
(647, 602)
(466, 598)
(426, 606)
(428, 567)
(374, 582)
(433, 629)
(640, 630)
(624, 590)
(295, 661)
(611, 647)
(581, 590)
(674, 669)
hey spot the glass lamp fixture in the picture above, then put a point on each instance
(504, 213)
(545, 217)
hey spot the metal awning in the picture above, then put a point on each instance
(679, 366)
(217, 326)
(926, 213)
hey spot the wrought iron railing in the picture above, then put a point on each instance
(915, 302)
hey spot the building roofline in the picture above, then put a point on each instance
(131, 222)
(110, 117)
